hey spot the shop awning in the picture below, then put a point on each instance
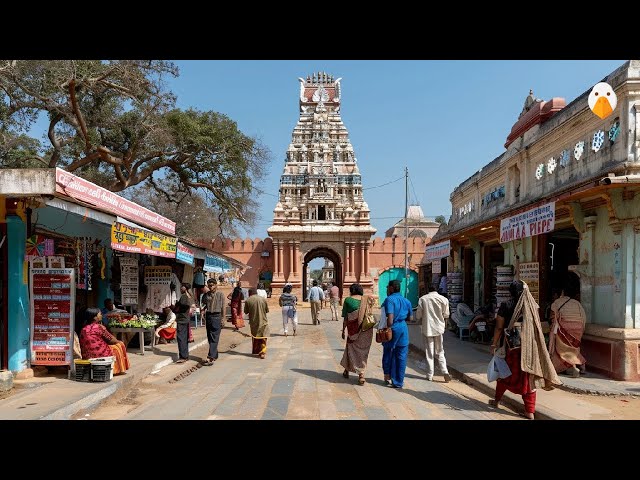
(216, 264)
(81, 210)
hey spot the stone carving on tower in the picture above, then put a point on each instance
(321, 209)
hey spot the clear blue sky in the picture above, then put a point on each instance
(442, 119)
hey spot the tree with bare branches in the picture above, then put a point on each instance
(114, 123)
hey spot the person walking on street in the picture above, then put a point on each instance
(315, 299)
(236, 297)
(356, 351)
(334, 301)
(183, 316)
(288, 303)
(568, 320)
(213, 303)
(394, 352)
(526, 352)
(433, 310)
(257, 308)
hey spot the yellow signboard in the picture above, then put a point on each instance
(138, 240)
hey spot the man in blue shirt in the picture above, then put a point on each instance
(394, 352)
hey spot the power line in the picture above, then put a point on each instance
(415, 197)
(385, 184)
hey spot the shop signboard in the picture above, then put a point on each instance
(160, 275)
(530, 274)
(126, 238)
(436, 266)
(185, 254)
(52, 298)
(213, 263)
(438, 251)
(528, 224)
(129, 280)
(76, 187)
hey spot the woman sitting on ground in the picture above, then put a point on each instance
(97, 342)
(167, 331)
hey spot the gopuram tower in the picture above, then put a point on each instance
(321, 210)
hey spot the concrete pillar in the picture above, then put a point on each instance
(477, 278)
(19, 321)
(351, 262)
(291, 247)
(347, 263)
(366, 259)
(296, 249)
(636, 277)
(280, 259)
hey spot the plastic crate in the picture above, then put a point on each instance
(83, 371)
(101, 373)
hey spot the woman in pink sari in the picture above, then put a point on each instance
(568, 320)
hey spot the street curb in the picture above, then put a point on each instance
(95, 399)
(595, 393)
(542, 412)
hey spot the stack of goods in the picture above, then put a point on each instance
(504, 277)
(454, 289)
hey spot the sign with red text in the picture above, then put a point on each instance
(76, 187)
(52, 315)
(528, 224)
(438, 251)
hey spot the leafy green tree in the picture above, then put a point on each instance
(440, 219)
(115, 123)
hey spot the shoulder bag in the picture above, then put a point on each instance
(384, 335)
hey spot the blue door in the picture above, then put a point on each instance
(398, 274)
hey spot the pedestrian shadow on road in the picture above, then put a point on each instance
(330, 376)
(234, 352)
(454, 402)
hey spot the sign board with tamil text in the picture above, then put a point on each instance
(52, 301)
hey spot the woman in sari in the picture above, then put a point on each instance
(529, 359)
(236, 298)
(356, 350)
(97, 342)
(567, 326)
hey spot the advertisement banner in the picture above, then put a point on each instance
(530, 274)
(137, 240)
(185, 254)
(528, 224)
(438, 251)
(213, 263)
(76, 187)
(52, 298)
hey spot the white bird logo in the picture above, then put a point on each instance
(602, 100)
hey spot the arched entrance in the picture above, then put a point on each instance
(398, 274)
(321, 252)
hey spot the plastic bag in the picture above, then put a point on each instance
(382, 323)
(497, 368)
(492, 372)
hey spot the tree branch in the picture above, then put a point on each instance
(216, 192)
(53, 161)
(78, 114)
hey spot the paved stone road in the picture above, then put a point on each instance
(300, 379)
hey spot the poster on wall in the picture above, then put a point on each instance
(52, 295)
(530, 274)
(160, 275)
(129, 280)
(55, 261)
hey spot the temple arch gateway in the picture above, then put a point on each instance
(321, 211)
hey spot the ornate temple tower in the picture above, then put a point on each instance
(321, 211)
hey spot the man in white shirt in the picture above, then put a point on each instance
(316, 295)
(433, 310)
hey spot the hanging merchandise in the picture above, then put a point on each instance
(157, 279)
(198, 279)
(103, 263)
